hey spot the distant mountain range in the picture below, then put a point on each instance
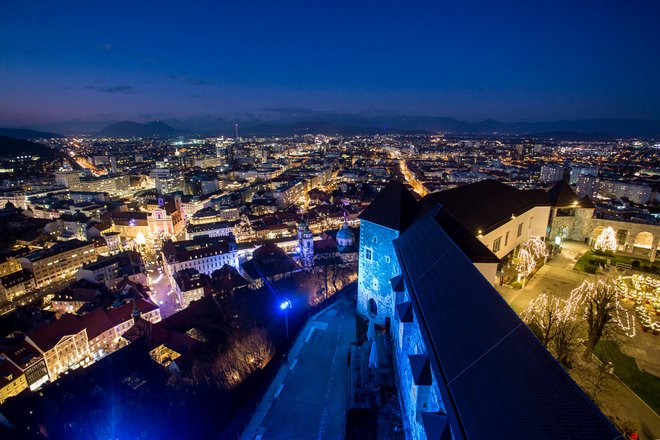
(12, 147)
(135, 129)
(331, 123)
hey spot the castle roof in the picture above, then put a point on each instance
(394, 207)
(562, 195)
(496, 379)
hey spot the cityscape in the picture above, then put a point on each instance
(262, 260)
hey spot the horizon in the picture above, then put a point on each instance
(510, 62)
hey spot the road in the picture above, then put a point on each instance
(161, 291)
(412, 179)
(307, 397)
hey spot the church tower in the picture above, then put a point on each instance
(305, 244)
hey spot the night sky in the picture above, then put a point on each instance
(526, 60)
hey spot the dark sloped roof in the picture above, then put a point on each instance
(48, 335)
(397, 283)
(561, 194)
(421, 369)
(436, 426)
(404, 312)
(124, 312)
(496, 379)
(476, 251)
(267, 261)
(227, 278)
(96, 322)
(394, 207)
(487, 204)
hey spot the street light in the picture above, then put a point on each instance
(285, 306)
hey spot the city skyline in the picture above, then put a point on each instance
(508, 62)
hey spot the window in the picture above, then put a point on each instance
(520, 226)
(530, 222)
(373, 307)
(368, 254)
(387, 259)
(374, 240)
(506, 238)
(496, 244)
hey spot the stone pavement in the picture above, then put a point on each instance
(307, 398)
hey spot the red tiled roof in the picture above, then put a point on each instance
(48, 335)
(96, 322)
(123, 313)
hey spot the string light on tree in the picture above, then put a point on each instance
(526, 263)
(606, 241)
(536, 247)
(588, 290)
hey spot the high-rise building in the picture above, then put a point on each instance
(69, 179)
(551, 173)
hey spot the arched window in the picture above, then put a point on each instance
(373, 307)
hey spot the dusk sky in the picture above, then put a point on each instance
(464, 59)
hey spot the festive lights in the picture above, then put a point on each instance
(571, 308)
(537, 247)
(531, 251)
(526, 263)
(606, 241)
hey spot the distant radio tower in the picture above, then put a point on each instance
(236, 128)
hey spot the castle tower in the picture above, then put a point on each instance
(380, 224)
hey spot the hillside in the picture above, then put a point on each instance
(12, 147)
(21, 133)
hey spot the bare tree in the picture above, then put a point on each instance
(597, 380)
(544, 315)
(566, 340)
(600, 306)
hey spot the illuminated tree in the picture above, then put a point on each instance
(544, 313)
(559, 322)
(602, 311)
(606, 241)
(536, 247)
(526, 263)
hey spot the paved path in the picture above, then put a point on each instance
(307, 397)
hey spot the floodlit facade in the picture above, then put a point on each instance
(466, 366)
(59, 261)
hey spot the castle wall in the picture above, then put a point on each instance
(376, 267)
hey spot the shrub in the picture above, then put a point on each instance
(516, 285)
(635, 264)
(590, 268)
